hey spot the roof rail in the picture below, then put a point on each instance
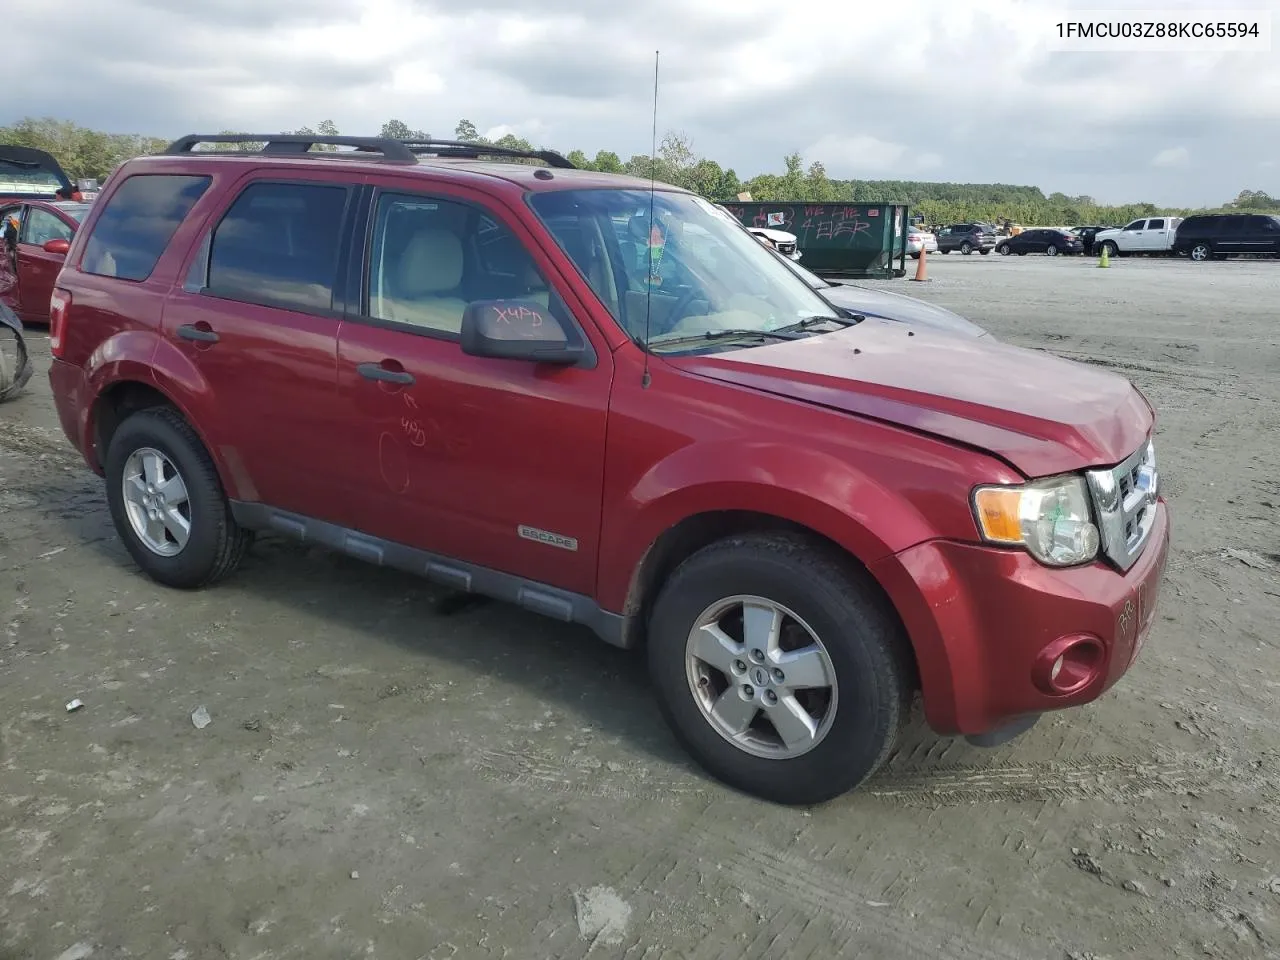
(472, 150)
(298, 144)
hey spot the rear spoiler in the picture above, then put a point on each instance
(18, 164)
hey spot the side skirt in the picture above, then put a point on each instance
(549, 601)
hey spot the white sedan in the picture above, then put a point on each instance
(918, 240)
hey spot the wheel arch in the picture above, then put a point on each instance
(691, 533)
(116, 401)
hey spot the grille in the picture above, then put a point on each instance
(786, 248)
(1126, 499)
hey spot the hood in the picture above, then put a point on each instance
(899, 307)
(1039, 413)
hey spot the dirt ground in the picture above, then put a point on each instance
(386, 776)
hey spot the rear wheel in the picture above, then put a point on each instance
(168, 504)
(1201, 252)
(1051, 250)
(778, 668)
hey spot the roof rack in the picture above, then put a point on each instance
(390, 150)
(473, 150)
(297, 144)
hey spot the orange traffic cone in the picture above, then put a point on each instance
(921, 273)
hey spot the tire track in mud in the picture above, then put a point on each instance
(46, 445)
(1084, 778)
(701, 876)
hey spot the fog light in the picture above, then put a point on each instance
(1069, 665)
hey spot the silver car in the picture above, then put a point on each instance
(886, 305)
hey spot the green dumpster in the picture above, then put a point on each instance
(844, 240)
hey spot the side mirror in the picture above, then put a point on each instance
(516, 330)
(57, 246)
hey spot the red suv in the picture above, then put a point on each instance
(611, 405)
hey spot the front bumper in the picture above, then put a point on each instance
(980, 619)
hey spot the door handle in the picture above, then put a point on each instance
(189, 331)
(376, 371)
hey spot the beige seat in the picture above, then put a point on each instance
(427, 276)
(536, 287)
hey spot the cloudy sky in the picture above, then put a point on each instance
(962, 90)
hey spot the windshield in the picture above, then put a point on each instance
(691, 268)
(74, 210)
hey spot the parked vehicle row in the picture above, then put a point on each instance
(611, 405)
(1200, 237)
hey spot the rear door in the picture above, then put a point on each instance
(38, 268)
(499, 463)
(1262, 235)
(1156, 236)
(256, 316)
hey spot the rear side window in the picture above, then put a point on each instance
(278, 246)
(139, 220)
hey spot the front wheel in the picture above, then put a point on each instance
(1051, 250)
(966, 248)
(1110, 248)
(168, 504)
(1003, 250)
(1201, 252)
(779, 668)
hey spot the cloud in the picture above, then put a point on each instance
(970, 92)
(1172, 157)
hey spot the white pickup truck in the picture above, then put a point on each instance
(1153, 235)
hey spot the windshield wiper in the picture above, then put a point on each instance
(816, 321)
(732, 332)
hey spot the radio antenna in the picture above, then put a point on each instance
(653, 174)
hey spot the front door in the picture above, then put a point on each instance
(256, 319)
(499, 463)
(10, 230)
(38, 268)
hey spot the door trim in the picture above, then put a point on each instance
(563, 605)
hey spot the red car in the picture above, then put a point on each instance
(34, 239)
(515, 380)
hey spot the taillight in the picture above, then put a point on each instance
(59, 307)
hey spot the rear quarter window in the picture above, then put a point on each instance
(138, 222)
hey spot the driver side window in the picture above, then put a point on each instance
(432, 257)
(42, 226)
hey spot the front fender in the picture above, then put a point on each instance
(807, 487)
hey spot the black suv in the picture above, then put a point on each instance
(1221, 234)
(967, 237)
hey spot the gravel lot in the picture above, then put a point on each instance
(387, 775)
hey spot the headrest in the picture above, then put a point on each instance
(431, 263)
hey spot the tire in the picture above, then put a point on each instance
(1111, 248)
(865, 652)
(966, 248)
(1051, 251)
(215, 543)
(1201, 252)
(1003, 250)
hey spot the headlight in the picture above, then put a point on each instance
(1050, 518)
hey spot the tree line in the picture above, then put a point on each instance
(88, 153)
